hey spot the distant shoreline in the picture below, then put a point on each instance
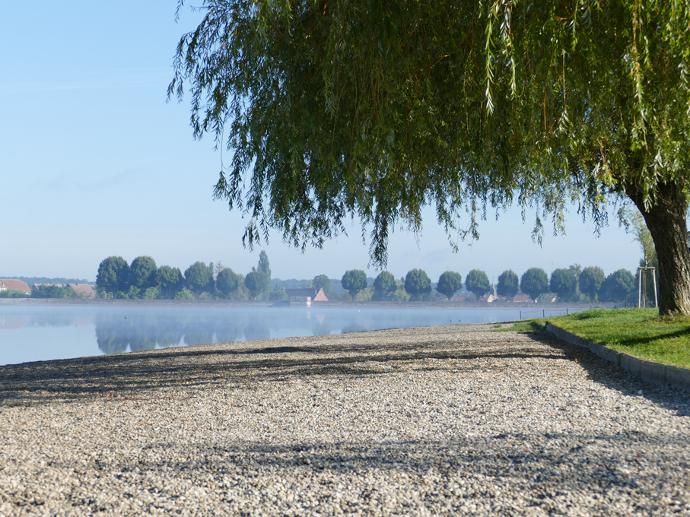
(458, 305)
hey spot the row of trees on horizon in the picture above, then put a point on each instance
(572, 284)
(143, 279)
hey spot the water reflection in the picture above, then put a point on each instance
(146, 331)
(149, 330)
(48, 331)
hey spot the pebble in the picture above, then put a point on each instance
(441, 420)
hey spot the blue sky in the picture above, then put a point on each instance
(95, 162)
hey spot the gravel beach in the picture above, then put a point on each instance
(419, 421)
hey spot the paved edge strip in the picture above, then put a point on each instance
(653, 373)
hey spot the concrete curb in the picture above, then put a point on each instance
(653, 373)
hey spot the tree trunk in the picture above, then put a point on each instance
(666, 222)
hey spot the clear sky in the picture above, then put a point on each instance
(95, 162)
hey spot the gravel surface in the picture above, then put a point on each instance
(436, 420)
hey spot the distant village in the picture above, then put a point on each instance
(26, 288)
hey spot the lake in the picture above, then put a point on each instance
(40, 331)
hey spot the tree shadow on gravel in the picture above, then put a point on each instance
(616, 378)
(134, 375)
(130, 375)
(535, 465)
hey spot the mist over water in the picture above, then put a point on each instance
(34, 332)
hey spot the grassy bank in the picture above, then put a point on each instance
(638, 332)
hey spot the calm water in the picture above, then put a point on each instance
(33, 332)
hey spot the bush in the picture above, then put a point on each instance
(13, 294)
(278, 295)
(152, 293)
(52, 291)
(184, 294)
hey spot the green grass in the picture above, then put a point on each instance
(526, 326)
(529, 326)
(638, 332)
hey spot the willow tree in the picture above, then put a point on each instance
(333, 108)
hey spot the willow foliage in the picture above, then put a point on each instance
(378, 108)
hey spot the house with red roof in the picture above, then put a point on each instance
(306, 295)
(14, 285)
(84, 290)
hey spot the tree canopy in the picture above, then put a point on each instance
(417, 283)
(384, 286)
(507, 284)
(264, 266)
(337, 107)
(142, 272)
(227, 282)
(257, 283)
(449, 283)
(321, 282)
(534, 282)
(477, 282)
(170, 280)
(618, 286)
(590, 281)
(564, 283)
(354, 281)
(199, 277)
(113, 275)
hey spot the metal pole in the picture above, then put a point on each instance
(656, 301)
(644, 287)
(639, 287)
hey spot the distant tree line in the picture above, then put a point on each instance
(53, 291)
(44, 291)
(143, 279)
(572, 284)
